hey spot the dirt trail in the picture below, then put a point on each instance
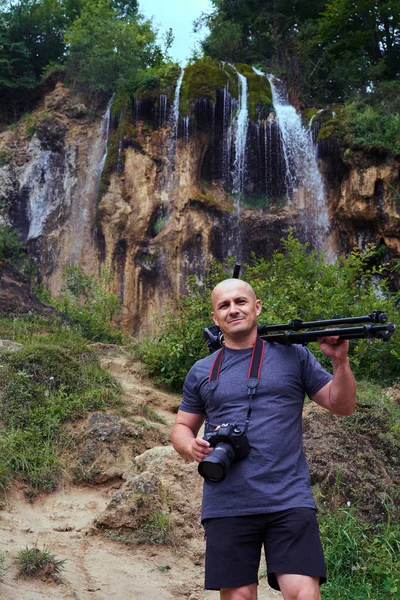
(96, 567)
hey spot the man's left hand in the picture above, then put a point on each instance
(334, 347)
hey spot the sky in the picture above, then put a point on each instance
(179, 15)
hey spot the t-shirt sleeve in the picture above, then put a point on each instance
(313, 374)
(192, 401)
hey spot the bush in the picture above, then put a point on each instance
(86, 301)
(294, 283)
(32, 562)
(178, 343)
(10, 246)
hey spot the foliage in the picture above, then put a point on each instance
(85, 300)
(356, 43)
(155, 528)
(294, 283)
(161, 77)
(101, 42)
(171, 350)
(55, 377)
(361, 563)
(373, 120)
(10, 247)
(106, 51)
(33, 561)
(327, 50)
(3, 568)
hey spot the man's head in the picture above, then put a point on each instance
(235, 311)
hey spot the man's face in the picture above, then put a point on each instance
(235, 308)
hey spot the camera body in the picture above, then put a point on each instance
(230, 444)
(233, 435)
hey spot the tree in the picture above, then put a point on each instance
(106, 51)
(358, 42)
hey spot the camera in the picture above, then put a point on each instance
(230, 444)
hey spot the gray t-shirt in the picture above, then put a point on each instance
(274, 476)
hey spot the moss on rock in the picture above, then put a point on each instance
(202, 79)
(259, 93)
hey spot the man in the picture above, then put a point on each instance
(265, 498)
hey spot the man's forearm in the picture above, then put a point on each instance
(343, 388)
(182, 440)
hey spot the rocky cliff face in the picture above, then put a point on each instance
(150, 195)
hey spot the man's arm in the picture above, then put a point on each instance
(183, 436)
(339, 395)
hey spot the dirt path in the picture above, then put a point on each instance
(96, 567)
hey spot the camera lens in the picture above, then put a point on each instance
(214, 466)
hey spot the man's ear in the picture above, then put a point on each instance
(214, 318)
(258, 307)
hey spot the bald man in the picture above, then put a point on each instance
(265, 499)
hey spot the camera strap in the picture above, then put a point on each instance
(253, 375)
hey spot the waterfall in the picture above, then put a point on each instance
(226, 137)
(174, 118)
(104, 134)
(240, 126)
(167, 178)
(162, 109)
(304, 185)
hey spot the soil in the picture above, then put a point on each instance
(90, 520)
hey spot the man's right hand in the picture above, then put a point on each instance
(200, 449)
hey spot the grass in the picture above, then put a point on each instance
(33, 562)
(155, 529)
(54, 378)
(146, 411)
(361, 563)
(3, 568)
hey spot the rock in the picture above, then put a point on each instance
(6, 345)
(16, 296)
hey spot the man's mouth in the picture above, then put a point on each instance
(236, 320)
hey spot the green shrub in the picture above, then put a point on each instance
(86, 301)
(294, 283)
(32, 562)
(171, 350)
(10, 246)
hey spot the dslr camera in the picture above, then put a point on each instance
(230, 444)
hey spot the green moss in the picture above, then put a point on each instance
(258, 92)
(202, 79)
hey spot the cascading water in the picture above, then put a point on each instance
(104, 134)
(240, 125)
(304, 185)
(162, 103)
(226, 136)
(167, 179)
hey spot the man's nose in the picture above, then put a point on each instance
(233, 308)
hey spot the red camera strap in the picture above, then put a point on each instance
(253, 376)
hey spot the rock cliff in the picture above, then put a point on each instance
(148, 190)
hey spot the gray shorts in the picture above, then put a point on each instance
(291, 543)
